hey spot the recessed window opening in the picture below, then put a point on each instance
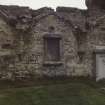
(52, 49)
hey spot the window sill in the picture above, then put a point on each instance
(50, 63)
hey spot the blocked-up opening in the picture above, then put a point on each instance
(52, 49)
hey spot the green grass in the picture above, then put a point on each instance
(52, 92)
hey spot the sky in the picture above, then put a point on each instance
(36, 4)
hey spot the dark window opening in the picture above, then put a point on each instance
(81, 56)
(99, 3)
(6, 46)
(52, 49)
(20, 57)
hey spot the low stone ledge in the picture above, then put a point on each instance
(56, 63)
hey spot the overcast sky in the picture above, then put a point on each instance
(35, 4)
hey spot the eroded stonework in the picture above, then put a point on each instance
(40, 43)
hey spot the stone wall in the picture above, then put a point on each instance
(26, 59)
(22, 41)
